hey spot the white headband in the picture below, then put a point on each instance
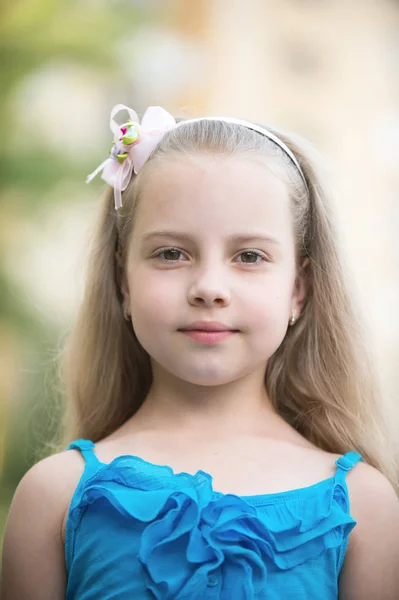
(134, 142)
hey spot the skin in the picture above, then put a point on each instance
(208, 408)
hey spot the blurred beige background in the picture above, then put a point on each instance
(326, 69)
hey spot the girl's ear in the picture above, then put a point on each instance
(302, 283)
(122, 280)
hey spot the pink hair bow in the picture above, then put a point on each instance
(133, 143)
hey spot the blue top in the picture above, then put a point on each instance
(138, 530)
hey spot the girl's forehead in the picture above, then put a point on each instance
(197, 191)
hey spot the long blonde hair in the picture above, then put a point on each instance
(321, 379)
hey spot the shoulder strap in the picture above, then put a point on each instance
(86, 448)
(346, 463)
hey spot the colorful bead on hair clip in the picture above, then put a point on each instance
(130, 133)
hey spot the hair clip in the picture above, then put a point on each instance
(133, 143)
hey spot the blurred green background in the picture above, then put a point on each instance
(327, 70)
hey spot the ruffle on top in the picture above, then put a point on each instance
(187, 523)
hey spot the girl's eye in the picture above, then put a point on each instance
(250, 257)
(169, 255)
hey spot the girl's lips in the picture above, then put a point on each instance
(207, 326)
(208, 337)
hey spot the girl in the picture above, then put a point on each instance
(220, 396)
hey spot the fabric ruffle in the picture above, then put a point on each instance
(186, 523)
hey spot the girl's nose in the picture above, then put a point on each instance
(209, 290)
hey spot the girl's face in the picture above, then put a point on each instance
(213, 241)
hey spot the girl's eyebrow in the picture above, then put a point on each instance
(237, 238)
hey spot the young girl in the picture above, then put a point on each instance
(221, 399)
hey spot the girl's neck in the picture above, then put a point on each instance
(241, 406)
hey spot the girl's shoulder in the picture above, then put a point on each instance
(371, 564)
(53, 478)
(56, 477)
(370, 493)
(33, 541)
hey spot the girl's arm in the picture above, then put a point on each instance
(371, 567)
(33, 552)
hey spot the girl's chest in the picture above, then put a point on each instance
(245, 469)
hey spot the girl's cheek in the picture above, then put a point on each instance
(269, 304)
(154, 303)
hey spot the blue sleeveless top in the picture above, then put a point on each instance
(138, 530)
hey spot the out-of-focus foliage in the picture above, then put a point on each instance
(33, 34)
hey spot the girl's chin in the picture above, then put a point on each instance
(209, 377)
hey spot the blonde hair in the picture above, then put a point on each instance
(321, 379)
